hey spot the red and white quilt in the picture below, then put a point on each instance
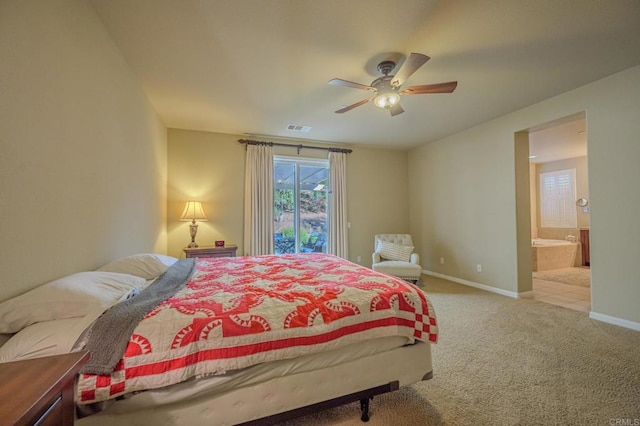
(238, 312)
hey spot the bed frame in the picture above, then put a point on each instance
(364, 397)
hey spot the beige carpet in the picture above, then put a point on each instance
(502, 361)
(579, 276)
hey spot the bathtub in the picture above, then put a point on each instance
(552, 254)
(543, 242)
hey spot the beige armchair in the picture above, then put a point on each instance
(393, 254)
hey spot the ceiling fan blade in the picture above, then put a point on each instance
(411, 65)
(341, 82)
(430, 88)
(395, 110)
(350, 107)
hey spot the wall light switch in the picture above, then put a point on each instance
(442, 260)
(479, 267)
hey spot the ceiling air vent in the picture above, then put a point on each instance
(298, 128)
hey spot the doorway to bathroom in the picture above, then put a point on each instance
(559, 196)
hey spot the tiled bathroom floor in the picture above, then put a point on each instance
(568, 296)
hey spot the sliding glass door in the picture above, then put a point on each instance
(300, 205)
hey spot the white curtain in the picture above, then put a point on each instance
(258, 200)
(338, 231)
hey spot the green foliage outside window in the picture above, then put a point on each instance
(282, 201)
(310, 201)
(289, 233)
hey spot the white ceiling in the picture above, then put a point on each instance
(565, 139)
(254, 66)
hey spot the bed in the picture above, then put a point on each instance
(250, 339)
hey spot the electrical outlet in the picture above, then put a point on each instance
(358, 259)
(442, 260)
(479, 267)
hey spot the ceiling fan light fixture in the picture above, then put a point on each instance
(386, 100)
(388, 88)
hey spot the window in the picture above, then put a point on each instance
(300, 205)
(557, 199)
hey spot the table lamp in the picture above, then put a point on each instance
(193, 211)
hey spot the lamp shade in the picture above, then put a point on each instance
(193, 211)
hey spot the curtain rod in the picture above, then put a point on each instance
(251, 142)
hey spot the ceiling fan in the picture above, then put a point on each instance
(387, 89)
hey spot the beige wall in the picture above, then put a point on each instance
(462, 207)
(523, 212)
(82, 153)
(582, 184)
(378, 198)
(207, 167)
(464, 190)
(210, 167)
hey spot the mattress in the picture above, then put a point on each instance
(273, 387)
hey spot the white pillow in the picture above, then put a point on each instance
(44, 339)
(393, 251)
(72, 296)
(147, 265)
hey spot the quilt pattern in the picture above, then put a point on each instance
(238, 312)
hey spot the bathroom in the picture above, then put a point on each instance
(560, 214)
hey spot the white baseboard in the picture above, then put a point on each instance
(529, 294)
(615, 321)
(512, 294)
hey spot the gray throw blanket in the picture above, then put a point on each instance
(111, 332)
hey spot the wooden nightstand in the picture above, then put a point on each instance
(39, 391)
(211, 251)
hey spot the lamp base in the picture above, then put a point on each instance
(193, 230)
